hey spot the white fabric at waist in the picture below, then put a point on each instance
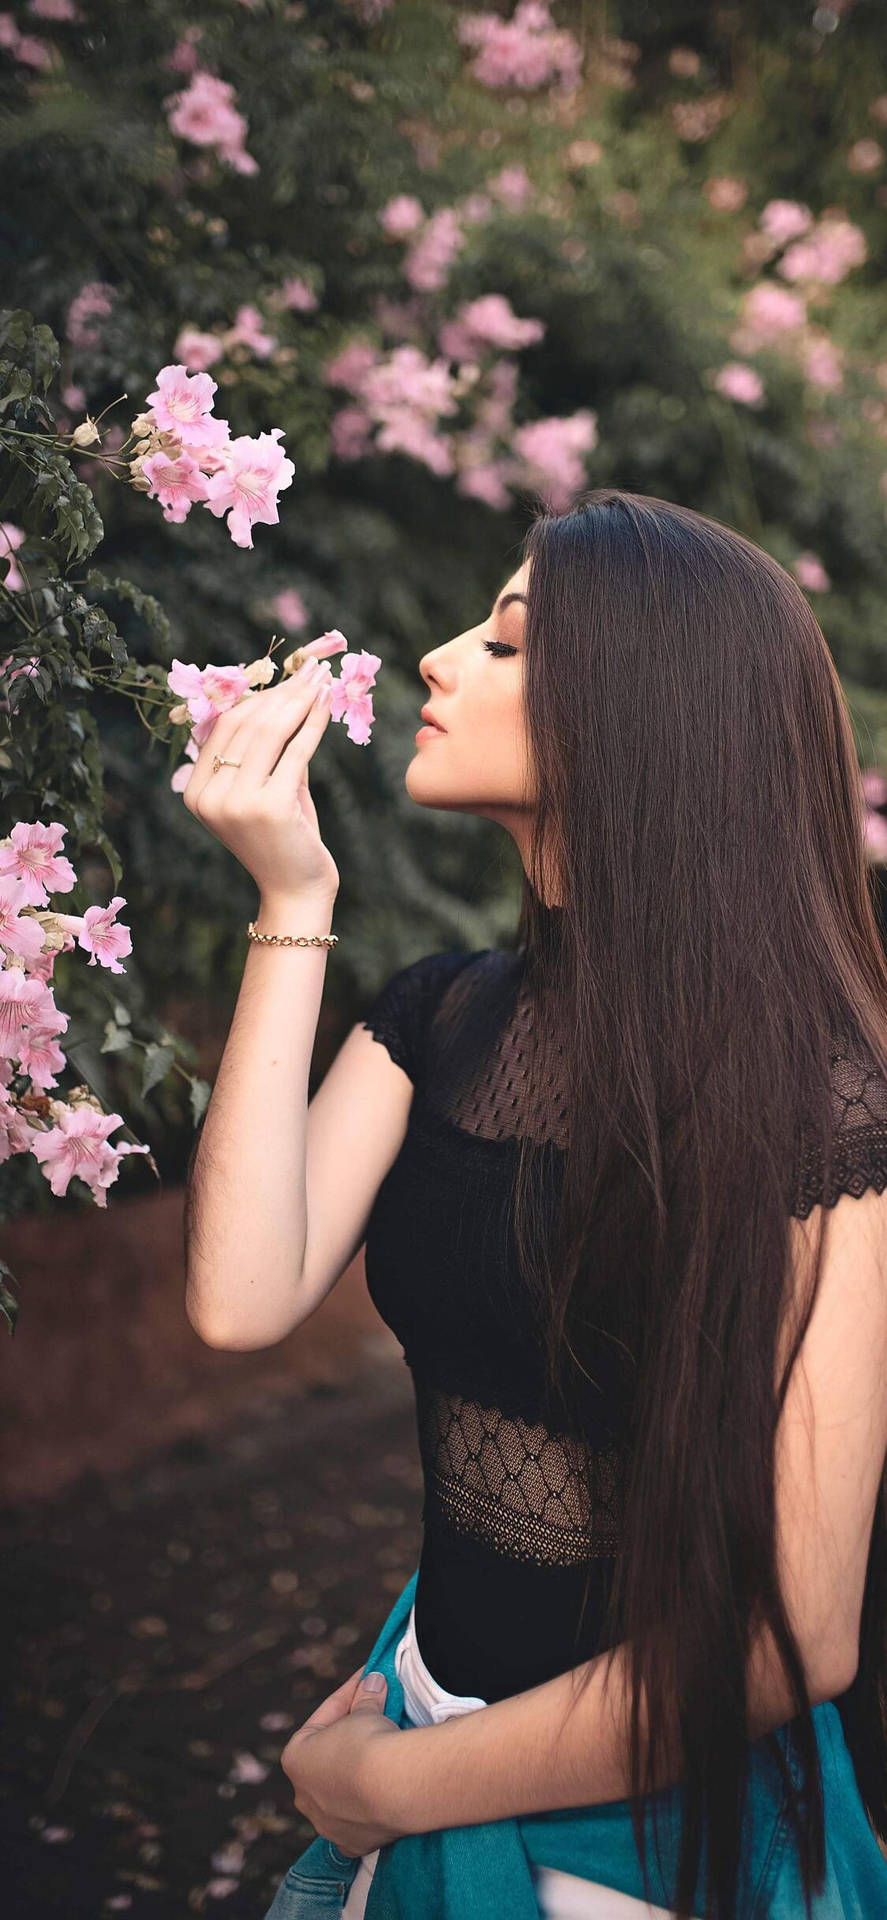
(561, 1896)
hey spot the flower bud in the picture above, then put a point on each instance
(81, 1096)
(86, 434)
(260, 672)
(143, 424)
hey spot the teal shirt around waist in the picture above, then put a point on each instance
(486, 1871)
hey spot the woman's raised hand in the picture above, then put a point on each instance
(262, 810)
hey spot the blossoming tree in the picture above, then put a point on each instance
(444, 262)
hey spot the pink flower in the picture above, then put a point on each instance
(401, 216)
(487, 322)
(429, 260)
(207, 691)
(23, 46)
(11, 537)
(93, 301)
(875, 837)
(24, 1001)
(784, 220)
(406, 432)
(20, 933)
(182, 404)
(290, 609)
(247, 331)
(246, 488)
(810, 573)
(196, 350)
(40, 1056)
(352, 700)
(769, 311)
(725, 192)
(474, 208)
(408, 378)
(550, 450)
(511, 185)
(821, 359)
(526, 51)
(351, 433)
(297, 293)
(31, 852)
(176, 481)
(204, 113)
(827, 255)
(54, 9)
(738, 382)
(15, 1133)
(78, 1145)
(874, 787)
(102, 938)
(351, 365)
(484, 480)
(184, 57)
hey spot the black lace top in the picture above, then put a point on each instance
(508, 1542)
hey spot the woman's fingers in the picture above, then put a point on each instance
(288, 781)
(253, 733)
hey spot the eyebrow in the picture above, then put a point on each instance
(507, 599)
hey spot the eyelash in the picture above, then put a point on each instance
(498, 647)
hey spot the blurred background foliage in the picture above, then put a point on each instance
(636, 241)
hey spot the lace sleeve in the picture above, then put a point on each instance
(400, 1013)
(859, 1093)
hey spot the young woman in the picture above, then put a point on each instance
(621, 1190)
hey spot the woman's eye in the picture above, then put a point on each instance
(498, 647)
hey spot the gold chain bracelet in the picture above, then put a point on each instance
(292, 939)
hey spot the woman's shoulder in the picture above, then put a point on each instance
(858, 1096)
(402, 1011)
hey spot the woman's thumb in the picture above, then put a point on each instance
(370, 1693)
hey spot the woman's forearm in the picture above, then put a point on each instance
(527, 1754)
(245, 1213)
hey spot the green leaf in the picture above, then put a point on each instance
(158, 1061)
(200, 1093)
(116, 1040)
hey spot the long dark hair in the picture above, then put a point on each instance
(698, 798)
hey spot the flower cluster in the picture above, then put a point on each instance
(824, 251)
(68, 1136)
(206, 692)
(204, 112)
(526, 51)
(404, 396)
(185, 454)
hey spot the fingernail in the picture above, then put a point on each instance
(374, 1682)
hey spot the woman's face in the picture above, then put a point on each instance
(480, 762)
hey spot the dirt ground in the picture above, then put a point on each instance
(165, 1630)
